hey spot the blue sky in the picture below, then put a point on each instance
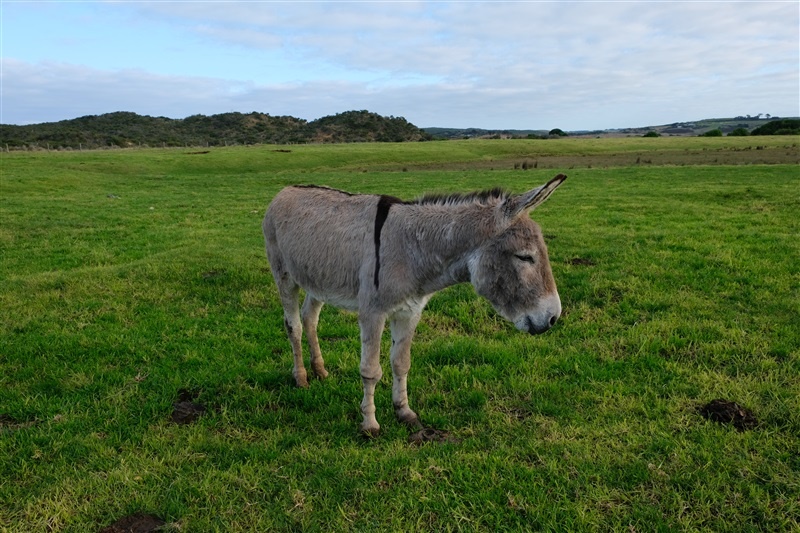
(520, 65)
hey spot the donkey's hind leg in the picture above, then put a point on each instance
(310, 313)
(290, 298)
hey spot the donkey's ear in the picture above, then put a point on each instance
(530, 200)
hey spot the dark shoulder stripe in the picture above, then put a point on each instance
(384, 204)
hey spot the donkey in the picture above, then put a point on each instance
(384, 258)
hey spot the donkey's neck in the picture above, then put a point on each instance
(441, 240)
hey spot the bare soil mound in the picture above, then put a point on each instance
(135, 523)
(727, 412)
(186, 410)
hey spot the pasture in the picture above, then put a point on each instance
(133, 282)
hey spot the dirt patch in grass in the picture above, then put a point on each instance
(519, 414)
(426, 435)
(9, 422)
(135, 523)
(213, 274)
(581, 261)
(727, 412)
(186, 410)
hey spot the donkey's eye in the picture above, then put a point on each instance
(525, 258)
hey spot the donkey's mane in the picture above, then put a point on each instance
(322, 187)
(477, 197)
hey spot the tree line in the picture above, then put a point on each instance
(126, 129)
(785, 126)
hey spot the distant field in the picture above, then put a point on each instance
(133, 280)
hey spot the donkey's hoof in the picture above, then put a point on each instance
(407, 417)
(370, 432)
(413, 424)
(301, 381)
(410, 420)
(320, 373)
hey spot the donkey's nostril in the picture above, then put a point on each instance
(536, 328)
(553, 320)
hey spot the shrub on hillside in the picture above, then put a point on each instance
(787, 126)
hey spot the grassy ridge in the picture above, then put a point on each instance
(127, 277)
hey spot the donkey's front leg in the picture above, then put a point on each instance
(371, 330)
(402, 326)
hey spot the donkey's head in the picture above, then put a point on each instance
(511, 268)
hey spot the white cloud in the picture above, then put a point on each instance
(56, 91)
(516, 65)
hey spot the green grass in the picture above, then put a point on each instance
(128, 276)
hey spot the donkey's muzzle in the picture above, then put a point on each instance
(535, 329)
(541, 318)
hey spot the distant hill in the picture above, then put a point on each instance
(690, 129)
(124, 129)
(470, 133)
(694, 128)
(362, 126)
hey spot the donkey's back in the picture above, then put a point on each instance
(318, 239)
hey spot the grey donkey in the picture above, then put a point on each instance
(384, 258)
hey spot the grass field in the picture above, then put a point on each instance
(132, 279)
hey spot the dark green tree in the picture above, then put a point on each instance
(787, 126)
(739, 132)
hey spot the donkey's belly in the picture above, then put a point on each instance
(347, 302)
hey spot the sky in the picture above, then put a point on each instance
(582, 65)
